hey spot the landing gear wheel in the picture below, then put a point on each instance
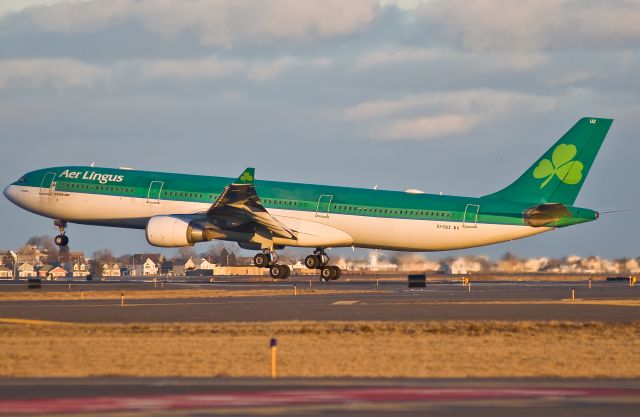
(335, 272)
(278, 271)
(287, 271)
(61, 240)
(261, 260)
(326, 273)
(312, 262)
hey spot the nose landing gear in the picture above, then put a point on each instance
(61, 240)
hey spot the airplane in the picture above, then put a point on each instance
(177, 210)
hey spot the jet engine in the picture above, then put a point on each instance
(173, 231)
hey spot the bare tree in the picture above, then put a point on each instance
(43, 242)
(103, 255)
(508, 256)
(124, 259)
(98, 258)
(63, 254)
(185, 253)
(220, 254)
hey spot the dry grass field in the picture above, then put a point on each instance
(327, 349)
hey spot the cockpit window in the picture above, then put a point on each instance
(22, 180)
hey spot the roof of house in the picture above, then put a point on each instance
(46, 268)
(140, 258)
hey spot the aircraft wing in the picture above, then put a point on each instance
(239, 200)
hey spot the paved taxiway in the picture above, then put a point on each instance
(390, 300)
(314, 397)
(386, 301)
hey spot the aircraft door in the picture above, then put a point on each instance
(48, 185)
(471, 215)
(153, 195)
(324, 203)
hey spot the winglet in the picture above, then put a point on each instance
(246, 177)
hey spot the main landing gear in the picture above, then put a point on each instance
(319, 260)
(269, 259)
(61, 240)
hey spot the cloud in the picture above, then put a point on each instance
(436, 115)
(482, 25)
(57, 72)
(187, 69)
(214, 22)
(390, 56)
(426, 127)
(266, 70)
(36, 73)
(393, 55)
(12, 6)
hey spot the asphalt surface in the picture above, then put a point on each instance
(385, 301)
(317, 397)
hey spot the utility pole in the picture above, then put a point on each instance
(15, 264)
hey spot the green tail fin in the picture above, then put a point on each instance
(246, 177)
(559, 174)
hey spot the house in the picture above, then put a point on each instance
(79, 269)
(189, 265)
(463, 266)
(632, 266)
(111, 269)
(206, 264)
(145, 264)
(378, 265)
(26, 270)
(51, 272)
(298, 267)
(411, 262)
(31, 254)
(150, 267)
(5, 273)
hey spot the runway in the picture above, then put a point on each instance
(363, 299)
(316, 397)
(608, 302)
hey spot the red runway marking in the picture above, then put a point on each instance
(292, 397)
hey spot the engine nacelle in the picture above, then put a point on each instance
(173, 232)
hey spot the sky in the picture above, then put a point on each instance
(445, 96)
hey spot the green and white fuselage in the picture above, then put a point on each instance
(318, 216)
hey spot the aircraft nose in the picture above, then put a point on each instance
(7, 192)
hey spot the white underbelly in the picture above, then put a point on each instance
(365, 231)
(413, 234)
